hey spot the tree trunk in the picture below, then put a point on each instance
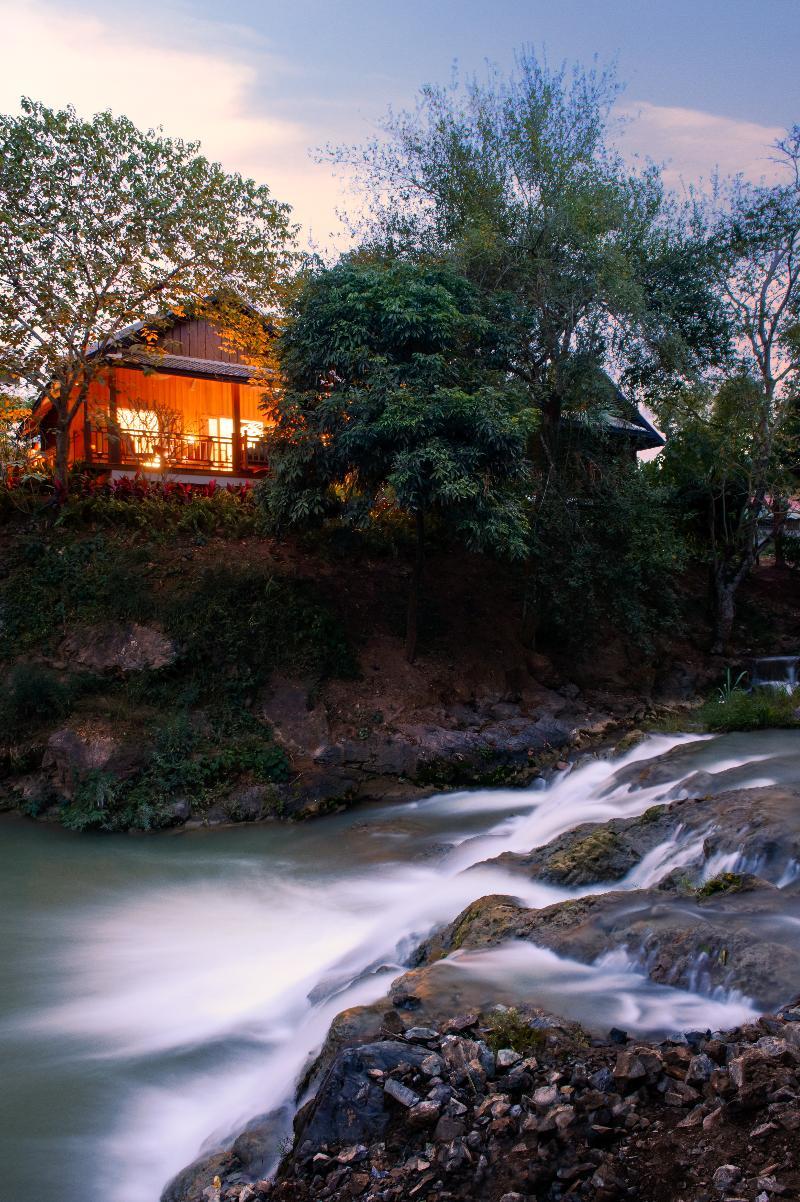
(62, 459)
(779, 511)
(412, 616)
(724, 610)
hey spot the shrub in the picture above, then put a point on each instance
(237, 625)
(607, 557)
(32, 695)
(508, 1029)
(47, 585)
(181, 765)
(759, 710)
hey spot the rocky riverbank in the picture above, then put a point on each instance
(455, 1085)
(440, 1114)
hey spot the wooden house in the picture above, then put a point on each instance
(173, 398)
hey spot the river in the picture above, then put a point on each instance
(157, 991)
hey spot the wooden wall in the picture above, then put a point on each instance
(196, 400)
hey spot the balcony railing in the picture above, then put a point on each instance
(165, 451)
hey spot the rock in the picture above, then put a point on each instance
(506, 1057)
(448, 1129)
(700, 1069)
(629, 1068)
(116, 647)
(400, 1093)
(299, 726)
(421, 1034)
(424, 1114)
(726, 1176)
(349, 1107)
(72, 753)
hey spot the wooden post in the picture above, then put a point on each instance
(237, 428)
(114, 442)
(87, 434)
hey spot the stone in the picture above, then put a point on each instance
(629, 1067)
(401, 1093)
(507, 1057)
(421, 1034)
(432, 1065)
(700, 1069)
(424, 1114)
(545, 1097)
(118, 647)
(353, 1154)
(448, 1129)
(726, 1176)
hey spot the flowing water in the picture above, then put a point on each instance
(158, 991)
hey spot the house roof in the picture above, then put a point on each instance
(185, 365)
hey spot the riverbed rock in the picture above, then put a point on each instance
(759, 827)
(116, 647)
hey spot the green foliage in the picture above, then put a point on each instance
(724, 882)
(607, 558)
(759, 710)
(32, 696)
(222, 514)
(51, 583)
(394, 398)
(730, 686)
(508, 1029)
(237, 624)
(180, 765)
(514, 182)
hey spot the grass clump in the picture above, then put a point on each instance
(724, 882)
(181, 765)
(508, 1029)
(759, 710)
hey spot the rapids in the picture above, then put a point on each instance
(160, 991)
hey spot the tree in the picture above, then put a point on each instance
(103, 225)
(513, 182)
(736, 435)
(393, 396)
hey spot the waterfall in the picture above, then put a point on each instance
(775, 672)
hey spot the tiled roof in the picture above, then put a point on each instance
(213, 369)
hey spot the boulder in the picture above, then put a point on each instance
(118, 647)
(351, 1106)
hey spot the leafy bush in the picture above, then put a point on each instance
(237, 625)
(48, 585)
(32, 695)
(508, 1029)
(607, 557)
(181, 765)
(759, 710)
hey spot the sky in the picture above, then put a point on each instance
(709, 83)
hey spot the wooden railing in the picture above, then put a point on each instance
(151, 449)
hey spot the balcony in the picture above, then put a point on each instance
(149, 450)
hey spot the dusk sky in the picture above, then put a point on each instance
(710, 82)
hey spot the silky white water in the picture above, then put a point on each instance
(160, 991)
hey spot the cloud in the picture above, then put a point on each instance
(201, 89)
(258, 112)
(693, 144)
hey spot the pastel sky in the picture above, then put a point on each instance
(709, 83)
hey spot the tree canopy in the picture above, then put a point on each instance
(103, 225)
(393, 393)
(514, 181)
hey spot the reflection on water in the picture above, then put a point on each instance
(164, 989)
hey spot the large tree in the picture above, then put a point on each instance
(735, 439)
(514, 181)
(103, 225)
(393, 398)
